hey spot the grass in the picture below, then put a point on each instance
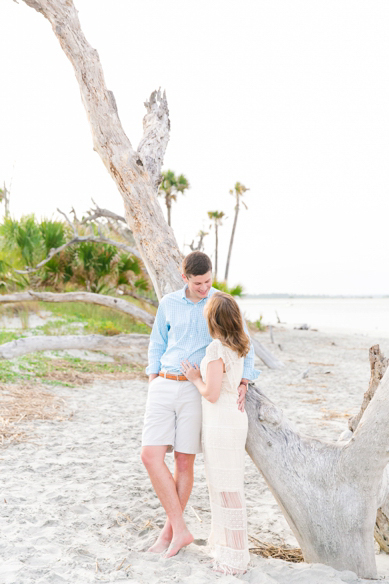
(96, 319)
(67, 371)
(257, 325)
(7, 336)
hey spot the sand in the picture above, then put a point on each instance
(77, 506)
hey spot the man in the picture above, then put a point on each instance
(173, 410)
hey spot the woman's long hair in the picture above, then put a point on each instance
(225, 323)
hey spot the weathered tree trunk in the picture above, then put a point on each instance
(328, 492)
(136, 173)
(133, 343)
(378, 366)
(232, 239)
(381, 528)
(88, 297)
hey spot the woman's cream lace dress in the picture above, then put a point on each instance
(224, 434)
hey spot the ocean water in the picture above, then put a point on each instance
(368, 316)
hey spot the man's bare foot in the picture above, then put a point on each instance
(182, 540)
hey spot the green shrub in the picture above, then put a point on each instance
(223, 287)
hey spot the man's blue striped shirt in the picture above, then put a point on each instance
(180, 332)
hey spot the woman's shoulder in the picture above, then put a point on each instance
(215, 347)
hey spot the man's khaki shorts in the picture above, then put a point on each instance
(173, 416)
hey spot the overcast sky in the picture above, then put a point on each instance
(289, 97)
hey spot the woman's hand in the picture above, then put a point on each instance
(192, 373)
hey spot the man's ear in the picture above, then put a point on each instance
(184, 278)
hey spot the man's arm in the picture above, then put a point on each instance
(158, 343)
(249, 373)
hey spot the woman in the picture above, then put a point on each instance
(224, 431)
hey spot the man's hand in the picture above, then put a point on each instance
(242, 390)
(152, 376)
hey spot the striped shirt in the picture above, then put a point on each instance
(180, 332)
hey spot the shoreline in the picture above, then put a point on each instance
(360, 316)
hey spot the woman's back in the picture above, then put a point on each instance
(233, 366)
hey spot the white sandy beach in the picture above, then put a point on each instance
(77, 505)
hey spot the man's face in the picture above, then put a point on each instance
(199, 286)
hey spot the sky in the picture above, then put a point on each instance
(289, 97)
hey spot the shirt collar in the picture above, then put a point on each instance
(183, 295)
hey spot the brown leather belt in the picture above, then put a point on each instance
(171, 376)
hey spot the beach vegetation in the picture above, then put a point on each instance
(86, 265)
(237, 290)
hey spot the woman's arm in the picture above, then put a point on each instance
(211, 389)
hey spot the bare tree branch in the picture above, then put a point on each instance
(89, 297)
(99, 213)
(156, 128)
(378, 366)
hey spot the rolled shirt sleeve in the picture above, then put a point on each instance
(158, 341)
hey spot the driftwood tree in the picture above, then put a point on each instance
(328, 492)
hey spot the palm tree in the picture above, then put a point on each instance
(170, 186)
(238, 192)
(22, 237)
(216, 217)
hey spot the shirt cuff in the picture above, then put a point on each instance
(153, 368)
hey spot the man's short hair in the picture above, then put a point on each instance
(196, 263)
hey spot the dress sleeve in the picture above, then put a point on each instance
(216, 351)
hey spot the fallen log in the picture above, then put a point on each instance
(133, 343)
(266, 356)
(88, 297)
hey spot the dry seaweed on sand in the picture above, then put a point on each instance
(278, 551)
(24, 402)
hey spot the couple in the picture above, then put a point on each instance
(192, 409)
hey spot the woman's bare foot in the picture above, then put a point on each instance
(178, 542)
(164, 539)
